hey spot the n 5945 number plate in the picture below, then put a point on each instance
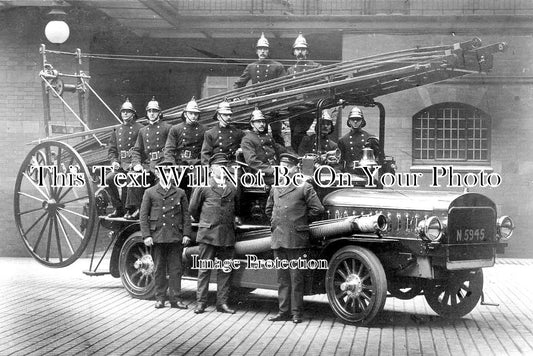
(471, 224)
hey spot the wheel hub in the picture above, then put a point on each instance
(51, 205)
(145, 264)
(353, 286)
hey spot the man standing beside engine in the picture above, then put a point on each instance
(215, 207)
(291, 209)
(166, 225)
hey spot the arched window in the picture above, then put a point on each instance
(451, 133)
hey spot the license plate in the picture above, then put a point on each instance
(471, 225)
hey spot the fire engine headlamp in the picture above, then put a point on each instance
(430, 229)
(505, 227)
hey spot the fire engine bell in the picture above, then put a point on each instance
(368, 158)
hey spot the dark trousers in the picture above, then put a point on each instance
(291, 283)
(112, 189)
(167, 258)
(209, 252)
(135, 194)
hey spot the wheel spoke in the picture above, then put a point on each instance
(341, 295)
(31, 196)
(64, 194)
(49, 154)
(49, 242)
(75, 199)
(35, 223)
(41, 234)
(74, 213)
(360, 269)
(71, 225)
(57, 240)
(345, 264)
(58, 191)
(30, 211)
(46, 197)
(65, 234)
(342, 274)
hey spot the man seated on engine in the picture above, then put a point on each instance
(352, 144)
(259, 149)
(309, 143)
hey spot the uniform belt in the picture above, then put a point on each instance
(125, 154)
(186, 154)
(154, 156)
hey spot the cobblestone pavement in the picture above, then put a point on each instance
(64, 312)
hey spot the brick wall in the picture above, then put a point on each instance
(509, 102)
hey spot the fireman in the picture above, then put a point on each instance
(148, 150)
(184, 142)
(351, 145)
(259, 149)
(222, 138)
(260, 71)
(291, 210)
(309, 143)
(119, 151)
(300, 124)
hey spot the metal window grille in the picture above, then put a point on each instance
(451, 133)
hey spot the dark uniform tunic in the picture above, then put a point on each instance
(299, 125)
(260, 71)
(121, 142)
(221, 139)
(164, 216)
(308, 145)
(184, 143)
(119, 150)
(150, 144)
(351, 147)
(214, 208)
(292, 209)
(302, 66)
(261, 152)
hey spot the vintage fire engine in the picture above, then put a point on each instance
(376, 242)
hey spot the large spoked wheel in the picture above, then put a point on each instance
(456, 296)
(136, 267)
(54, 204)
(356, 285)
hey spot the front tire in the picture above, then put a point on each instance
(456, 296)
(136, 267)
(356, 285)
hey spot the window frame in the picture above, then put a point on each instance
(474, 117)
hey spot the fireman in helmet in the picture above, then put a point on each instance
(148, 150)
(351, 145)
(184, 141)
(260, 71)
(309, 143)
(260, 151)
(120, 147)
(222, 138)
(300, 124)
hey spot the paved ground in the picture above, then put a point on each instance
(64, 312)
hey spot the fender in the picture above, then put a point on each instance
(122, 236)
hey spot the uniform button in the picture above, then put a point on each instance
(164, 224)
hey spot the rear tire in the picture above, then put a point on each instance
(456, 296)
